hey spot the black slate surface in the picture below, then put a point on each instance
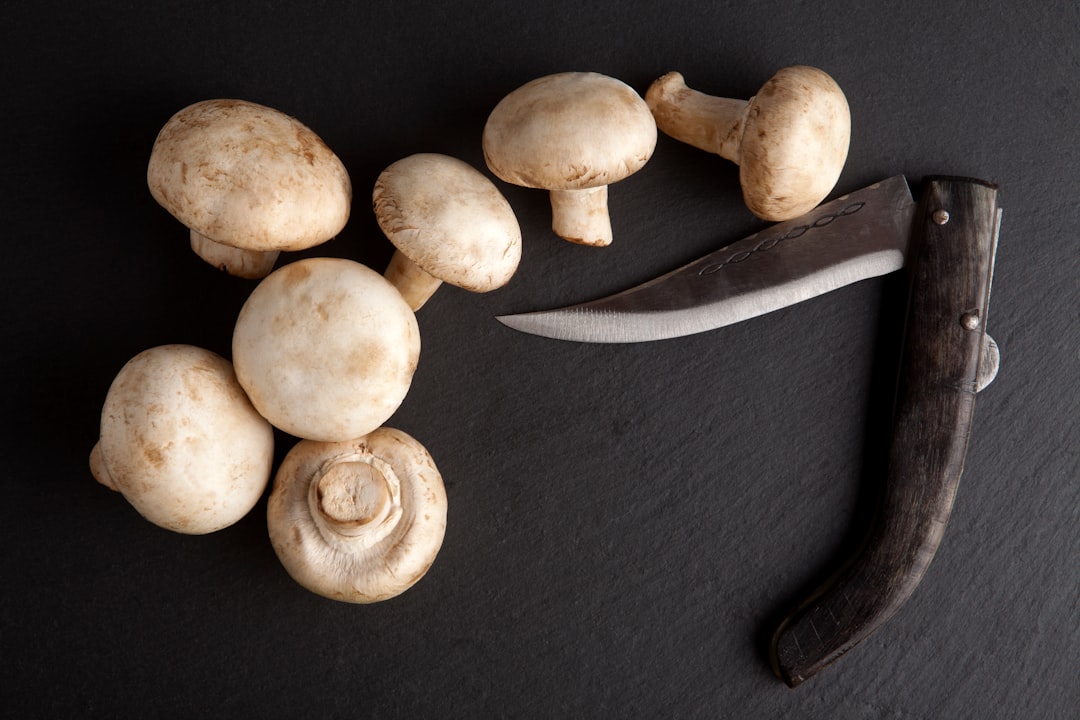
(625, 523)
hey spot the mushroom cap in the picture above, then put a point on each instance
(181, 441)
(569, 131)
(326, 348)
(375, 563)
(794, 143)
(450, 220)
(249, 176)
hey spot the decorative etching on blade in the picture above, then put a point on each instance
(771, 242)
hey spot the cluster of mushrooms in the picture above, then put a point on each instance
(325, 349)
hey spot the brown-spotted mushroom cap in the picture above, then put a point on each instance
(326, 348)
(574, 134)
(360, 520)
(449, 223)
(249, 181)
(181, 442)
(790, 140)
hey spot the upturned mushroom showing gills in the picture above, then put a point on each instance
(449, 223)
(326, 348)
(574, 134)
(358, 521)
(181, 442)
(790, 140)
(248, 181)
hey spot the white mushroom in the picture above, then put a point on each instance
(326, 348)
(790, 140)
(249, 182)
(358, 521)
(181, 442)
(574, 134)
(449, 223)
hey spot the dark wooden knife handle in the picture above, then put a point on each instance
(950, 264)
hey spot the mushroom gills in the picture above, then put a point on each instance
(358, 521)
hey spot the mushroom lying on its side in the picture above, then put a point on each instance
(574, 134)
(326, 348)
(249, 181)
(358, 521)
(790, 140)
(181, 442)
(449, 223)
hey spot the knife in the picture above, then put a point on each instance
(947, 243)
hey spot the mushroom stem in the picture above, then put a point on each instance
(250, 264)
(99, 469)
(713, 124)
(355, 499)
(413, 282)
(581, 216)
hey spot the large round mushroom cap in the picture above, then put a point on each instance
(569, 131)
(450, 220)
(326, 348)
(249, 176)
(181, 441)
(358, 521)
(794, 143)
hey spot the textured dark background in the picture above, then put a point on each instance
(626, 523)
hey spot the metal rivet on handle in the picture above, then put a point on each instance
(941, 216)
(970, 320)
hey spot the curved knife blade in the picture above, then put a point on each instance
(855, 237)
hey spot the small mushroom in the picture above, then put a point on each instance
(249, 182)
(360, 520)
(449, 223)
(574, 134)
(790, 140)
(181, 442)
(326, 348)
